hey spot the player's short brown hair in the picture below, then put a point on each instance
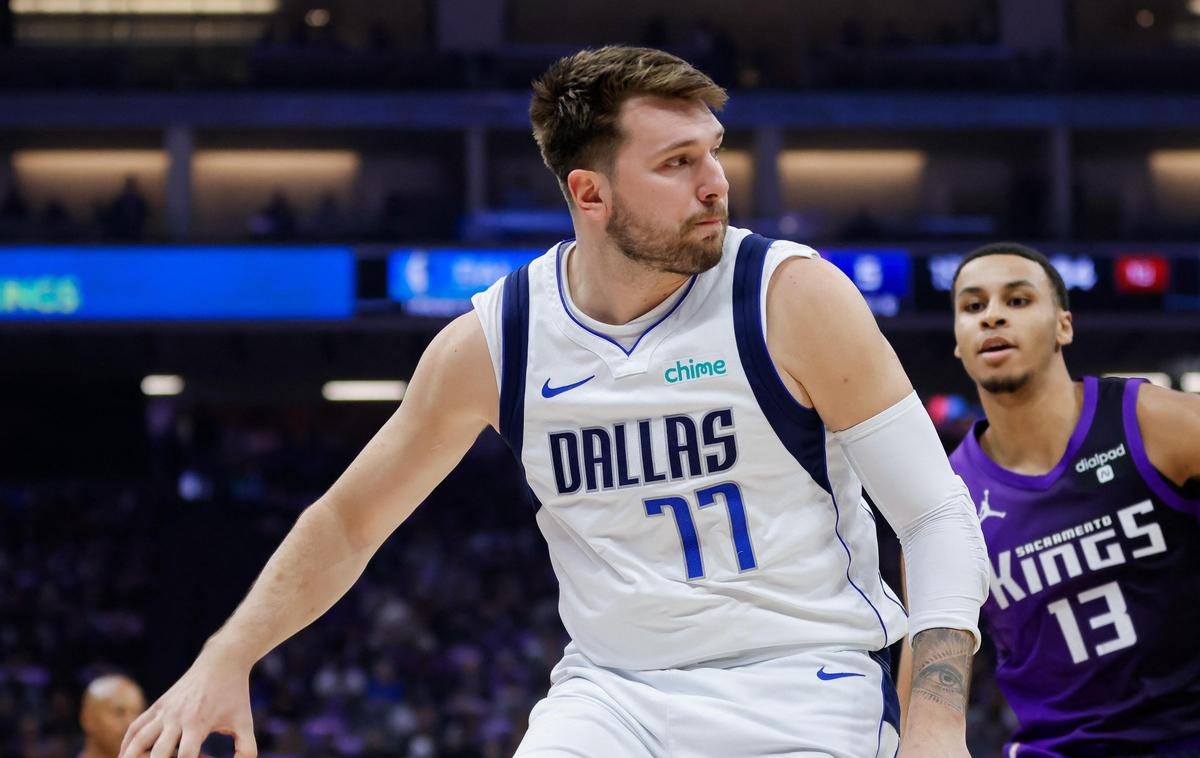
(577, 101)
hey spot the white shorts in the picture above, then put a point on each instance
(814, 703)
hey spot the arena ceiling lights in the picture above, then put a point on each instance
(145, 7)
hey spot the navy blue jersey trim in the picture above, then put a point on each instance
(514, 326)
(891, 701)
(798, 428)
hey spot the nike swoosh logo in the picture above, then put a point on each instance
(830, 676)
(548, 391)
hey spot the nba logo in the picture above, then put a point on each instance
(1104, 474)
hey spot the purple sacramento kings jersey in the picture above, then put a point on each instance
(1095, 590)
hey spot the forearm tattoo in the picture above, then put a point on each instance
(942, 667)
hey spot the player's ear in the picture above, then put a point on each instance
(589, 192)
(1064, 329)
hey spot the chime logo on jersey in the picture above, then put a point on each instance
(690, 369)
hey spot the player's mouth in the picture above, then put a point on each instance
(711, 219)
(995, 350)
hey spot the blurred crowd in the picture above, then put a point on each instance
(128, 216)
(121, 217)
(312, 46)
(441, 648)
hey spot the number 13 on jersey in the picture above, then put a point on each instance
(728, 493)
(1117, 616)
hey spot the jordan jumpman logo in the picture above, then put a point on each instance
(985, 508)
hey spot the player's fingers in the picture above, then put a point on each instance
(138, 723)
(167, 741)
(140, 743)
(244, 745)
(190, 742)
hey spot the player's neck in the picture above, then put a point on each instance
(91, 750)
(1028, 430)
(612, 289)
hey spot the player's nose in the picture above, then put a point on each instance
(713, 184)
(993, 316)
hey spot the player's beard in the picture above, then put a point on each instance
(674, 251)
(1002, 385)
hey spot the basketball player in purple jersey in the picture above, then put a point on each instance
(1088, 494)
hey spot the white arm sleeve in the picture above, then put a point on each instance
(900, 461)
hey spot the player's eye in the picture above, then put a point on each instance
(716, 151)
(1018, 302)
(677, 161)
(972, 306)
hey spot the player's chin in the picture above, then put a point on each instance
(708, 258)
(1003, 382)
(696, 263)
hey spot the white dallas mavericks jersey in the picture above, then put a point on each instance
(694, 511)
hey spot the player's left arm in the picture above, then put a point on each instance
(1170, 426)
(830, 352)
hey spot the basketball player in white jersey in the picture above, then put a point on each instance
(696, 410)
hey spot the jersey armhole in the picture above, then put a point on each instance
(487, 307)
(1153, 478)
(798, 427)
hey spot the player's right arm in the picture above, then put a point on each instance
(451, 398)
(1170, 426)
(831, 346)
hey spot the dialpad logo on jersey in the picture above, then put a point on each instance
(1100, 462)
(690, 369)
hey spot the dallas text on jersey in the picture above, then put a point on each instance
(633, 454)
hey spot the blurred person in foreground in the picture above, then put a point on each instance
(1088, 494)
(110, 704)
(696, 409)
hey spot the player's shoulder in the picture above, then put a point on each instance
(809, 286)
(1165, 412)
(461, 342)
(1169, 424)
(1159, 405)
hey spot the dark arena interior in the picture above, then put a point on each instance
(229, 229)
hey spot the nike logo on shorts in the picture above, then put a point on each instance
(829, 676)
(548, 391)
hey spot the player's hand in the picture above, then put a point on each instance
(213, 696)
